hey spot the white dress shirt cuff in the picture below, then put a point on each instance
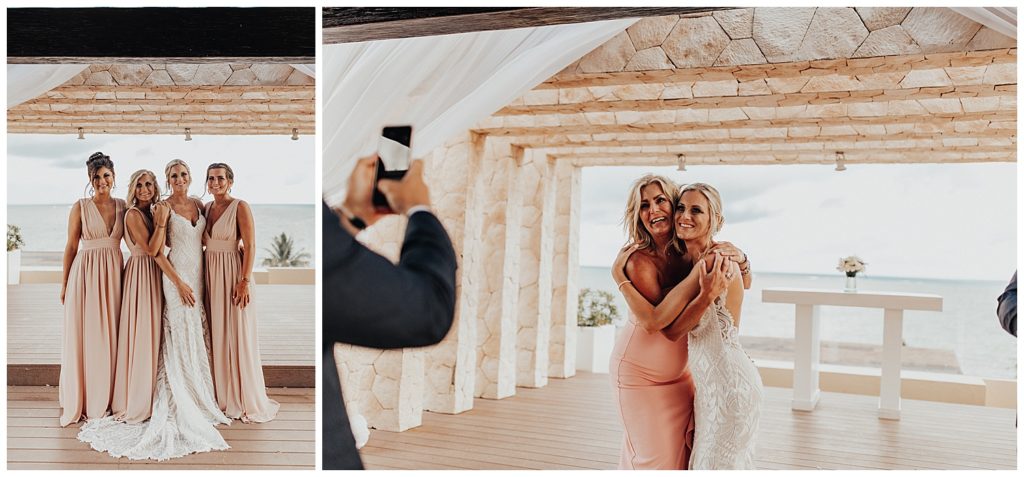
(417, 208)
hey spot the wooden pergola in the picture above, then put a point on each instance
(228, 70)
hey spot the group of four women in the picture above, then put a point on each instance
(146, 360)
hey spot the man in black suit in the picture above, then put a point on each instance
(368, 301)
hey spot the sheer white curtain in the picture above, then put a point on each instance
(308, 70)
(441, 85)
(1001, 19)
(25, 82)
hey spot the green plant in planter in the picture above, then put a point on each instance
(596, 308)
(14, 241)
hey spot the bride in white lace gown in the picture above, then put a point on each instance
(185, 411)
(727, 403)
(728, 387)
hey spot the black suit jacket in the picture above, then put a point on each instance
(368, 301)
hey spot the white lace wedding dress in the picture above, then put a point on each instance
(185, 410)
(727, 404)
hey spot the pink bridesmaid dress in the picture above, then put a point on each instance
(138, 339)
(654, 393)
(237, 369)
(92, 303)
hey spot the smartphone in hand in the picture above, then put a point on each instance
(394, 155)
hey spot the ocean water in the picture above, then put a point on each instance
(44, 227)
(967, 324)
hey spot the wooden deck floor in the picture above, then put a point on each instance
(285, 314)
(572, 424)
(35, 439)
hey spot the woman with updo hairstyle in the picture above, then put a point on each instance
(91, 294)
(237, 368)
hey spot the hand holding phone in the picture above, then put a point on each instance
(394, 157)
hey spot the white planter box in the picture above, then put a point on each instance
(14, 267)
(594, 348)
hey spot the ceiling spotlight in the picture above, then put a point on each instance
(295, 134)
(188, 134)
(840, 161)
(81, 133)
(682, 163)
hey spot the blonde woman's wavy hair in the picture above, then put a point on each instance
(136, 177)
(714, 204)
(167, 172)
(635, 230)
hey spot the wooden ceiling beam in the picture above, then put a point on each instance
(842, 66)
(558, 142)
(350, 25)
(759, 101)
(918, 119)
(823, 158)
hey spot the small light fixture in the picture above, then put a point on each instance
(840, 161)
(81, 133)
(295, 134)
(682, 163)
(188, 134)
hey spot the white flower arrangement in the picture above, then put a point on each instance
(14, 240)
(851, 265)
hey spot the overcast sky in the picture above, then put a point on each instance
(951, 221)
(50, 169)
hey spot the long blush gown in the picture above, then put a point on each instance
(138, 338)
(654, 393)
(92, 303)
(237, 368)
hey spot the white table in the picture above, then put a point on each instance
(808, 343)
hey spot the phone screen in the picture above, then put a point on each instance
(394, 155)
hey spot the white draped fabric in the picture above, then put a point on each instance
(441, 85)
(1001, 19)
(308, 70)
(25, 82)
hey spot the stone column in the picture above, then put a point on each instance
(537, 238)
(454, 178)
(499, 293)
(565, 270)
(386, 387)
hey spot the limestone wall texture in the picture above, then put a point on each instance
(537, 238)
(752, 36)
(565, 270)
(499, 295)
(456, 192)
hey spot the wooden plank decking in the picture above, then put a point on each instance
(285, 314)
(35, 439)
(573, 424)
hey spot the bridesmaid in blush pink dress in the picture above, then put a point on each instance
(138, 342)
(91, 294)
(651, 381)
(237, 369)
